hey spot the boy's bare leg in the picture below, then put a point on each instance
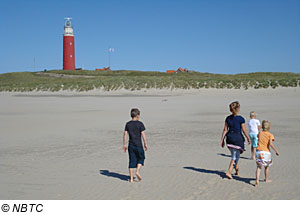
(237, 172)
(267, 175)
(252, 153)
(131, 174)
(229, 171)
(138, 171)
(257, 175)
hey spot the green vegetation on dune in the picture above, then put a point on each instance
(84, 80)
(106, 73)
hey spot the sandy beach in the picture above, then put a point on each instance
(68, 145)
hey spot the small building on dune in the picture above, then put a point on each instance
(170, 71)
(179, 70)
(104, 69)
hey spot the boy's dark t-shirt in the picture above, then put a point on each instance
(135, 128)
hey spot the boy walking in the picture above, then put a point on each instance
(254, 127)
(136, 131)
(263, 154)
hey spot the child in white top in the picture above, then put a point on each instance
(254, 127)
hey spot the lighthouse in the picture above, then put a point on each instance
(69, 50)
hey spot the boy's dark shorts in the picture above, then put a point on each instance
(136, 155)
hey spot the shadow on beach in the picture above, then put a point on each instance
(221, 174)
(114, 175)
(224, 155)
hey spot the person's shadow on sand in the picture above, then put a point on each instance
(114, 175)
(221, 174)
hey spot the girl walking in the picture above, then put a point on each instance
(233, 128)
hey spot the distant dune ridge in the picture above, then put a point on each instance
(86, 80)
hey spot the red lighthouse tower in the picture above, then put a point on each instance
(69, 51)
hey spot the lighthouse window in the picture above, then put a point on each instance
(68, 23)
(70, 55)
(70, 43)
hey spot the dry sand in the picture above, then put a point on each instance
(68, 145)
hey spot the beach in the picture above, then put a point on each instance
(68, 145)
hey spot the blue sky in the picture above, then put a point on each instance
(216, 36)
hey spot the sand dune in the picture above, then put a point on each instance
(67, 145)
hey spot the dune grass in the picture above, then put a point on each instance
(85, 80)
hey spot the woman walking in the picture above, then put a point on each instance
(233, 128)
